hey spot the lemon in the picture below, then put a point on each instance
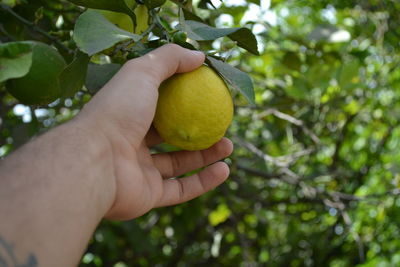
(40, 85)
(194, 109)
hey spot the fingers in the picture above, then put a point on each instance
(181, 190)
(176, 163)
(165, 61)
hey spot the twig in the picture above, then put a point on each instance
(292, 120)
(124, 46)
(334, 199)
(34, 118)
(258, 173)
(281, 161)
(36, 28)
(347, 220)
(339, 143)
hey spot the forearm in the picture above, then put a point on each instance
(52, 197)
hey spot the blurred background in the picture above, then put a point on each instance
(315, 173)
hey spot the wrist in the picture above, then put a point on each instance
(98, 157)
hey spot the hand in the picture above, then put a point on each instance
(123, 112)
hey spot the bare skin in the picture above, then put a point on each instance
(55, 190)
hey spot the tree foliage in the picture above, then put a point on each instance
(315, 172)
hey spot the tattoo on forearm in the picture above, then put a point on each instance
(8, 258)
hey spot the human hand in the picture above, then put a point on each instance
(123, 111)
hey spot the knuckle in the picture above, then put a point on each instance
(181, 189)
(175, 165)
(145, 68)
(173, 47)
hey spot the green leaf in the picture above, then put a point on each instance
(94, 33)
(203, 4)
(202, 32)
(99, 75)
(300, 90)
(73, 76)
(349, 74)
(245, 39)
(124, 6)
(292, 61)
(150, 4)
(189, 15)
(15, 60)
(238, 79)
(257, 2)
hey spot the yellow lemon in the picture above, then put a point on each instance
(194, 109)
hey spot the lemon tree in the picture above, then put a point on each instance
(315, 171)
(194, 109)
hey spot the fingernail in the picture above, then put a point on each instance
(197, 53)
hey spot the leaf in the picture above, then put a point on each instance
(94, 33)
(203, 4)
(123, 6)
(257, 2)
(99, 75)
(72, 78)
(238, 79)
(300, 90)
(189, 15)
(349, 74)
(292, 61)
(15, 60)
(245, 39)
(202, 32)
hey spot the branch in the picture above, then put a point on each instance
(280, 161)
(334, 199)
(258, 173)
(347, 220)
(292, 120)
(35, 28)
(339, 143)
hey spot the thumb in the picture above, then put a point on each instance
(165, 61)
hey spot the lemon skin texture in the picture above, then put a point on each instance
(40, 86)
(194, 109)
